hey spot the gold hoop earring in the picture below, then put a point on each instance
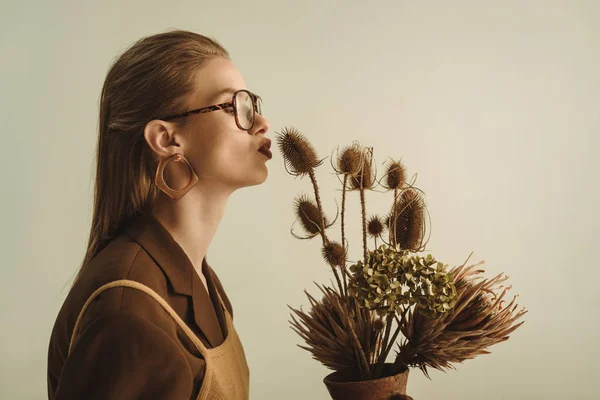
(159, 180)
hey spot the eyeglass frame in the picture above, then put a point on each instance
(224, 106)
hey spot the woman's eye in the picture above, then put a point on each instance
(229, 110)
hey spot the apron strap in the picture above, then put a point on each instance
(136, 285)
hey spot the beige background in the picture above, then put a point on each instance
(493, 103)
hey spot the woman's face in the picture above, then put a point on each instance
(217, 149)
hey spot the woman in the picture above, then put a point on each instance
(178, 133)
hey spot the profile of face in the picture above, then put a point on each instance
(222, 155)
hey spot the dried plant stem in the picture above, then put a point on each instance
(361, 369)
(344, 207)
(345, 276)
(337, 278)
(370, 354)
(393, 220)
(362, 358)
(364, 222)
(378, 343)
(381, 357)
(396, 332)
(313, 179)
(358, 316)
(343, 227)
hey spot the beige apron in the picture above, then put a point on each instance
(227, 376)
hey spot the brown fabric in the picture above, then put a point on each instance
(127, 346)
(227, 374)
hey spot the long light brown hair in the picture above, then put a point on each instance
(150, 79)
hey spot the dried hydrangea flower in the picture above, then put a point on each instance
(393, 279)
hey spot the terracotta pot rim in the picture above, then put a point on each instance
(327, 380)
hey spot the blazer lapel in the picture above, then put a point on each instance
(149, 233)
(217, 300)
(205, 312)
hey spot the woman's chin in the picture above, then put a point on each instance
(259, 177)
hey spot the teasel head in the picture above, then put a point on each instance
(349, 162)
(375, 226)
(299, 155)
(307, 212)
(406, 220)
(334, 254)
(365, 176)
(395, 175)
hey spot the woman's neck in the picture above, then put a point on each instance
(192, 220)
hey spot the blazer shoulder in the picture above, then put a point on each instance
(117, 342)
(123, 258)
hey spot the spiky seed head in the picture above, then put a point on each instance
(308, 213)
(407, 218)
(395, 175)
(334, 254)
(349, 161)
(375, 226)
(364, 176)
(298, 154)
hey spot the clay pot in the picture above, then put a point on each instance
(343, 385)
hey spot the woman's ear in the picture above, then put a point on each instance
(161, 138)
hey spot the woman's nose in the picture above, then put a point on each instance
(261, 125)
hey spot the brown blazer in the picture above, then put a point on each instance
(127, 346)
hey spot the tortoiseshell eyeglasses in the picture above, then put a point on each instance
(244, 103)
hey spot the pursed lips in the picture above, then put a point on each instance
(265, 148)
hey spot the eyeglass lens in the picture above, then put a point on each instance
(245, 109)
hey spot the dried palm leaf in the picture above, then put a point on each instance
(478, 321)
(337, 331)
